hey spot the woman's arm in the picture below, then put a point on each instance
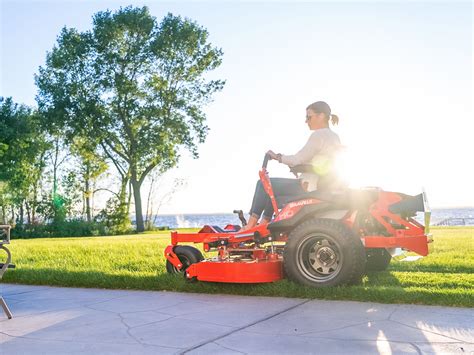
(304, 156)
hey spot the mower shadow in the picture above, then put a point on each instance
(381, 287)
(381, 278)
(133, 279)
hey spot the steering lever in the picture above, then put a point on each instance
(241, 217)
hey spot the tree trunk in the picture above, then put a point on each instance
(22, 213)
(92, 199)
(138, 202)
(88, 197)
(33, 203)
(55, 168)
(54, 196)
(83, 210)
(88, 209)
(4, 214)
(36, 184)
(123, 192)
(149, 206)
(28, 213)
(129, 196)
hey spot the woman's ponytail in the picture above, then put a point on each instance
(323, 107)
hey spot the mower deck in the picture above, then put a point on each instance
(255, 271)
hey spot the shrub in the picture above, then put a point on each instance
(67, 228)
(115, 217)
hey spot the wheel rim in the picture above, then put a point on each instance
(184, 261)
(319, 257)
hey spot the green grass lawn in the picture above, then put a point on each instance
(445, 277)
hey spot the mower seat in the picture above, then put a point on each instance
(343, 199)
(348, 199)
(358, 199)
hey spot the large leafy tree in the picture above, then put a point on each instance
(135, 86)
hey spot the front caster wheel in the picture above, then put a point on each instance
(187, 255)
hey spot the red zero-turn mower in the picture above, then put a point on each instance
(322, 238)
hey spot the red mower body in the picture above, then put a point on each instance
(381, 220)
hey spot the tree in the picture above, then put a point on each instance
(135, 85)
(23, 150)
(92, 166)
(58, 157)
(5, 201)
(163, 197)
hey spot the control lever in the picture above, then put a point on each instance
(241, 217)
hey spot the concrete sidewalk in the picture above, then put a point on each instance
(69, 320)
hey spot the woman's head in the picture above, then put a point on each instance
(318, 115)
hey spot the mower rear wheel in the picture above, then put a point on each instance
(187, 255)
(377, 259)
(324, 252)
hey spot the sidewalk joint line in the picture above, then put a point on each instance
(243, 327)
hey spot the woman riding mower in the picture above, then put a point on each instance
(322, 238)
(319, 151)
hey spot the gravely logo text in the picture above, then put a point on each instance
(302, 203)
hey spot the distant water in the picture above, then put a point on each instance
(196, 220)
(222, 219)
(457, 216)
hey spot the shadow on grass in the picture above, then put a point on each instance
(431, 267)
(380, 287)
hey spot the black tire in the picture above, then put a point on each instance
(187, 255)
(377, 259)
(322, 253)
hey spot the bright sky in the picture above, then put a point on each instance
(399, 75)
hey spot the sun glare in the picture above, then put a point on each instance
(364, 167)
(350, 168)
